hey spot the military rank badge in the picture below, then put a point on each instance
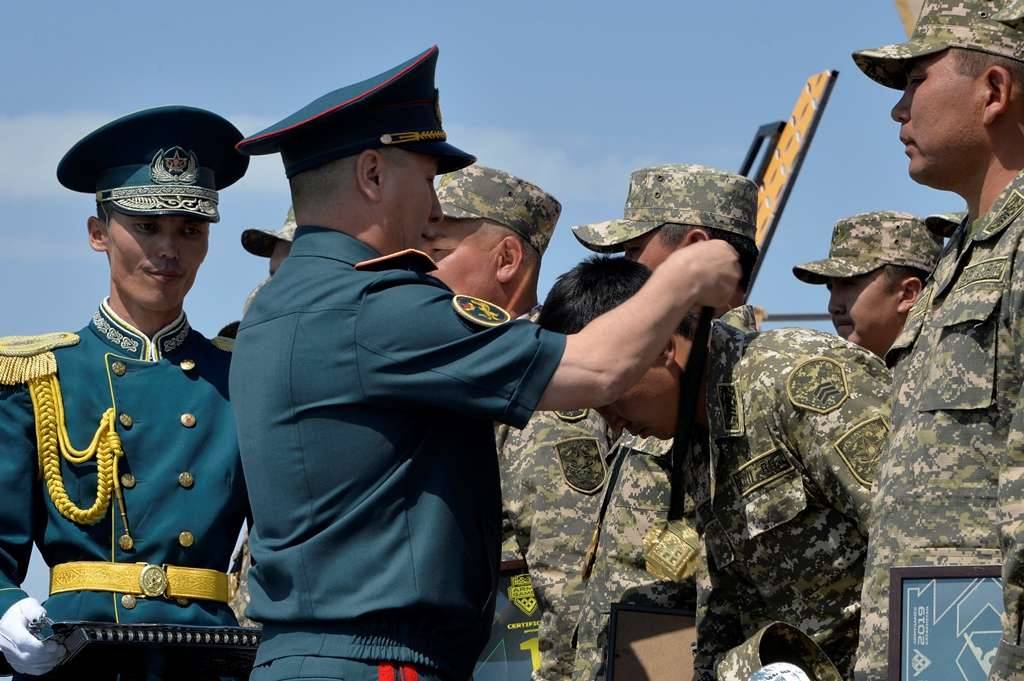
(175, 165)
(479, 311)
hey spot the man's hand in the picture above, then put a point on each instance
(24, 652)
(712, 270)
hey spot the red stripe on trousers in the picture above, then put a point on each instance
(409, 673)
(386, 672)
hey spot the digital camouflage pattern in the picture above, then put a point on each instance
(261, 242)
(864, 242)
(950, 487)
(797, 422)
(967, 24)
(481, 192)
(639, 501)
(548, 521)
(683, 194)
(944, 224)
(769, 644)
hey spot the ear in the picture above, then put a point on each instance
(369, 169)
(695, 235)
(510, 258)
(99, 234)
(999, 88)
(909, 291)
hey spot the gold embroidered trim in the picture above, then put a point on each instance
(23, 358)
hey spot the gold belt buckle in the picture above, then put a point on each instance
(153, 580)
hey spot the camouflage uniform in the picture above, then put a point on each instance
(259, 242)
(552, 474)
(797, 421)
(865, 242)
(553, 470)
(684, 194)
(639, 500)
(949, 487)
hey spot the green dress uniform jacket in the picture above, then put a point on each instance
(366, 415)
(180, 475)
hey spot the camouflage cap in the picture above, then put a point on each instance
(481, 192)
(969, 24)
(683, 194)
(261, 242)
(862, 243)
(944, 224)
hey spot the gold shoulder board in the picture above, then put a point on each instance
(23, 358)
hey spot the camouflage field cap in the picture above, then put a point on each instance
(944, 224)
(481, 192)
(862, 243)
(261, 242)
(684, 194)
(982, 25)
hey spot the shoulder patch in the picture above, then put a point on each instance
(818, 385)
(572, 415)
(479, 311)
(583, 467)
(409, 259)
(761, 470)
(23, 358)
(730, 409)
(861, 448)
(223, 343)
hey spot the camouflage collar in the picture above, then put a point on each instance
(130, 342)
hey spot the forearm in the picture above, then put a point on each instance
(612, 352)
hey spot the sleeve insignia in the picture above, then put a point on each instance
(479, 311)
(730, 410)
(572, 415)
(763, 469)
(583, 467)
(223, 343)
(861, 448)
(991, 271)
(409, 259)
(818, 385)
(23, 358)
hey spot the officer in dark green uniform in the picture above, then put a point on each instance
(365, 394)
(118, 453)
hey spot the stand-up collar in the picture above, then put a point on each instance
(129, 341)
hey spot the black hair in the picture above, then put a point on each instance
(592, 288)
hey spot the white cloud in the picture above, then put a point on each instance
(33, 144)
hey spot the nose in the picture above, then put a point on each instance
(901, 111)
(435, 209)
(836, 304)
(167, 245)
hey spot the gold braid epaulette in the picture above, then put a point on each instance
(53, 443)
(23, 358)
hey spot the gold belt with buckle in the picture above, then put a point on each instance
(140, 579)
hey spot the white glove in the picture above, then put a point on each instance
(779, 671)
(24, 652)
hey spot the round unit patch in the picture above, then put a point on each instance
(818, 385)
(479, 311)
(572, 415)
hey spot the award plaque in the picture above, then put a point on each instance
(944, 622)
(512, 654)
(650, 643)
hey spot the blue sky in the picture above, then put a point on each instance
(571, 95)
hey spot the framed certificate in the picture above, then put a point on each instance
(944, 622)
(650, 643)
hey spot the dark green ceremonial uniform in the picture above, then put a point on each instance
(365, 403)
(183, 489)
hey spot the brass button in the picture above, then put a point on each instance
(182, 601)
(188, 420)
(126, 542)
(186, 539)
(127, 601)
(127, 480)
(187, 364)
(185, 479)
(118, 368)
(125, 420)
